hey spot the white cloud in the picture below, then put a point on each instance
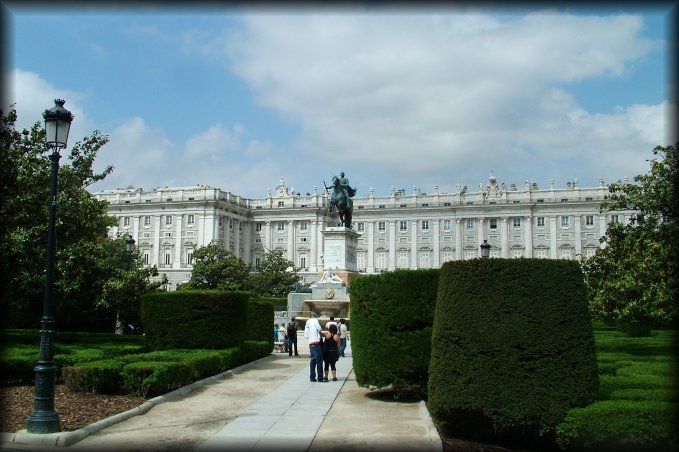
(32, 95)
(214, 142)
(412, 94)
(140, 154)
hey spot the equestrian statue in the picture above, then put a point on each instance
(340, 198)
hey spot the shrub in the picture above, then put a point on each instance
(260, 321)
(512, 348)
(101, 376)
(194, 319)
(151, 378)
(391, 325)
(620, 425)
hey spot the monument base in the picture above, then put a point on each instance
(345, 275)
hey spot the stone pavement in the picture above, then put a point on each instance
(269, 404)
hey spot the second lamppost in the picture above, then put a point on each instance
(485, 249)
(44, 418)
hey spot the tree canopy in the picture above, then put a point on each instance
(87, 260)
(216, 268)
(634, 276)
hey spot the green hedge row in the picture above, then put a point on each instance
(155, 373)
(513, 348)
(620, 425)
(194, 319)
(19, 360)
(391, 318)
(639, 397)
(260, 321)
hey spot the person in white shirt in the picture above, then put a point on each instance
(343, 336)
(312, 333)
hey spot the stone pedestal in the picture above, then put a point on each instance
(339, 249)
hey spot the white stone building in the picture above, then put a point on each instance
(403, 230)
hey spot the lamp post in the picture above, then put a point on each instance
(44, 419)
(129, 244)
(485, 249)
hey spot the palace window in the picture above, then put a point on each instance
(168, 219)
(381, 226)
(425, 225)
(126, 221)
(470, 223)
(190, 219)
(541, 222)
(280, 226)
(258, 227)
(403, 225)
(447, 225)
(303, 225)
(517, 222)
(589, 220)
(360, 227)
(493, 223)
(565, 221)
(147, 221)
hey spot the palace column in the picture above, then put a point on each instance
(392, 245)
(413, 244)
(437, 244)
(178, 242)
(578, 235)
(552, 236)
(504, 238)
(529, 236)
(291, 241)
(458, 239)
(370, 230)
(313, 265)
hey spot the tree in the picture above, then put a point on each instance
(83, 251)
(634, 276)
(128, 280)
(217, 269)
(274, 276)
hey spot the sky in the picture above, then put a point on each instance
(411, 98)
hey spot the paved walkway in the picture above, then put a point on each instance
(266, 405)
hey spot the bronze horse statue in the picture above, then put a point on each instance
(340, 201)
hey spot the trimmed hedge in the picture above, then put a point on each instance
(194, 319)
(620, 425)
(391, 325)
(151, 378)
(103, 376)
(260, 321)
(512, 349)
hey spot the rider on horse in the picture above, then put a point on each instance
(344, 204)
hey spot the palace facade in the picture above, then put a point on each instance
(403, 230)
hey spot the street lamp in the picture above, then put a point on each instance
(44, 419)
(129, 244)
(485, 249)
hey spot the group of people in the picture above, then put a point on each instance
(326, 346)
(287, 334)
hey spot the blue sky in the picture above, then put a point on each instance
(238, 98)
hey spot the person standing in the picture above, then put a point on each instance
(292, 337)
(331, 322)
(331, 345)
(312, 332)
(283, 336)
(275, 332)
(343, 336)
